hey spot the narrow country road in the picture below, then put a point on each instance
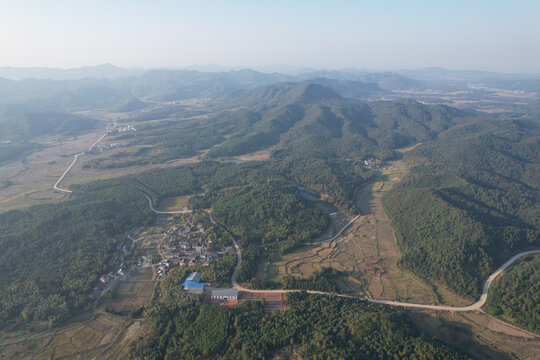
(477, 305)
(75, 157)
(238, 254)
(335, 236)
(473, 307)
(55, 186)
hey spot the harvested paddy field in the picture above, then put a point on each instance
(80, 340)
(131, 294)
(29, 181)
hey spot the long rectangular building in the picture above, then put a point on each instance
(224, 294)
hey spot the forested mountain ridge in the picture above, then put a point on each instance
(309, 116)
(319, 138)
(470, 202)
(30, 125)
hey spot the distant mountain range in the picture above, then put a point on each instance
(111, 88)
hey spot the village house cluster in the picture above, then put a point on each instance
(185, 245)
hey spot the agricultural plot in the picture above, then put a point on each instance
(133, 293)
(29, 181)
(272, 301)
(81, 340)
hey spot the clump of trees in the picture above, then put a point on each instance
(323, 280)
(268, 212)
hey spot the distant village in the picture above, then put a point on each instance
(120, 128)
(181, 244)
(373, 163)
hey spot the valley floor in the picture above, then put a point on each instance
(367, 252)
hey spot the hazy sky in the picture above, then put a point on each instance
(502, 35)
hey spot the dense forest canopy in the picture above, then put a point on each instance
(516, 294)
(53, 255)
(314, 326)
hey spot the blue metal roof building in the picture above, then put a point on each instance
(191, 283)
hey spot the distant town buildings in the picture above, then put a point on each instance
(372, 163)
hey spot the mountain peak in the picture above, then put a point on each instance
(315, 92)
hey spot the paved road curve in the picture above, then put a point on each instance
(75, 157)
(476, 306)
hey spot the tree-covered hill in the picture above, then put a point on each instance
(30, 125)
(320, 138)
